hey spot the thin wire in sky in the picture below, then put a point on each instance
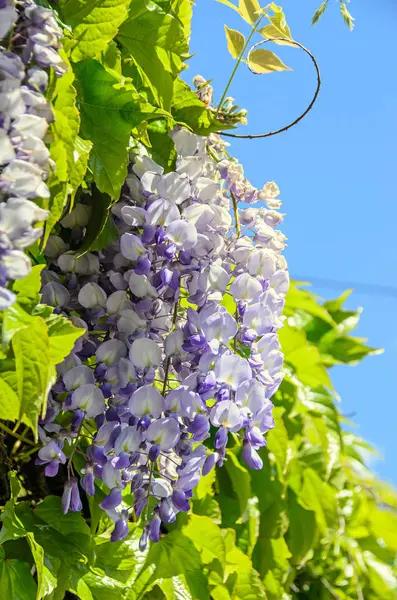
(371, 289)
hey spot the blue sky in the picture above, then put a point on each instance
(336, 171)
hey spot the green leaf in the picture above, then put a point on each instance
(77, 171)
(188, 110)
(344, 11)
(382, 579)
(277, 443)
(46, 582)
(15, 318)
(274, 566)
(319, 12)
(62, 335)
(109, 111)
(158, 43)
(348, 350)
(318, 496)
(61, 545)
(12, 526)
(203, 501)
(100, 587)
(303, 300)
(162, 148)
(83, 591)
(249, 10)
(66, 124)
(173, 556)
(240, 480)
(70, 525)
(305, 358)
(249, 532)
(235, 41)
(278, 26)
(384, 526)
(94, 25)
(9, 402)
(301, 533)
(174, 588)
(111, 60)
(28, 288)
(59, 199)
(38, 344)
(63, 149)
(35, 373)
(118, 559)
(248, 584)
(207, 537)
(99, 224)
(16, 580)
(263, 61)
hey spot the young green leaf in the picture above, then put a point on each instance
(235, 41)
(9, 402)
(278, 26)
(109, 111)
(58, 201)
(263, 61)
(28, 288)
(62, 336)
(320, 497)
(162, 147)
(319, 12)
(207, 537)
(249, 10)
(346, 16)
(78, 169)
(62, 149)
(46, 581)
(157, 40)
(187, 109)
(301, 532)
(34, 369)
(95, 233)
(240, 480)
(15, 318)
(16, 580)
(94, 25)
(277, 443)
(248, 584)
(174, 555)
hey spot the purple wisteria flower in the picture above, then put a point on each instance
(181, 316)
(25, 114)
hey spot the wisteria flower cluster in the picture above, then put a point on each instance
(32, 48)
(180, 349)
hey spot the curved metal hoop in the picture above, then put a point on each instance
(308, 109)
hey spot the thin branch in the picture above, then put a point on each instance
(16, 435)
(240, 58)
(308, 109)
(330, 589)
(235, 211)
(359, 591)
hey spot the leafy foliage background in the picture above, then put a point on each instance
(315, 523)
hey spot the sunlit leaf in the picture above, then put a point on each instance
(249, 10)
(278, 26)
(235, 41)
(94, 25)
(263, 61)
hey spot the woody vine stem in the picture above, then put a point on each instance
(239, 60)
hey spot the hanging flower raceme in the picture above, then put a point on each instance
(181, 317)
(30, 50)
